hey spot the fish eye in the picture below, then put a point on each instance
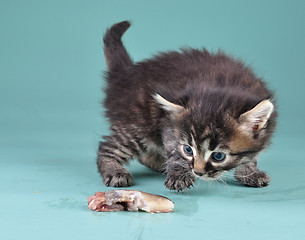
(218, 156)
(188, 150)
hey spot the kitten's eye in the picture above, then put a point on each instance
(218, 156)
(188, 150)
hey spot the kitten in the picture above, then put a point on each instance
(191, 114)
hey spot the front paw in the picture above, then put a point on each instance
(118, 179)
(179, 182)
(256, 179)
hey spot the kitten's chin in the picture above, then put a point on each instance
(207, 177)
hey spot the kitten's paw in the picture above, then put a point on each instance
(179, 183)
(119, 179)
(257, 179)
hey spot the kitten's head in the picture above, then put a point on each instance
(217, 136)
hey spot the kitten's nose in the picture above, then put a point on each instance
(198, 173)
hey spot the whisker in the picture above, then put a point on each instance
(250, 174)
(224, 182)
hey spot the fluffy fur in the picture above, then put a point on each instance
(163, 108)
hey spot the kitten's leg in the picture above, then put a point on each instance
(112, 154)
(153, 160)
(249, 175)
(179, 176)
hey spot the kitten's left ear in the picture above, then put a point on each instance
(256, 118)
(168, 106)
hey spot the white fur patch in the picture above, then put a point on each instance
(166, 105)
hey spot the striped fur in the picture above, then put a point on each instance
(176, 111)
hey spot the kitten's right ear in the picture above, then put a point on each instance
(168, 106)
(256, 118)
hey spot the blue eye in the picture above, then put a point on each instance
(218, 156)
(188, 150)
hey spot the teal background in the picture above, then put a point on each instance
(51, 66)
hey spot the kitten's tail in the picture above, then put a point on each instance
(115, 53)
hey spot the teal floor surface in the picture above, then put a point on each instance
(44, 190)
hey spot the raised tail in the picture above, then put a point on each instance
(115, 53)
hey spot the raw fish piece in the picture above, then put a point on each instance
(129, 200)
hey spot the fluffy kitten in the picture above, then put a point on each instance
(191, 114)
